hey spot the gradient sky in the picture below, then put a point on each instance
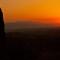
(46, 11)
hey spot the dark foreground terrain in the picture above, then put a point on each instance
(37, 44)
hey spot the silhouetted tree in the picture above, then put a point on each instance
(2, 35)
(1, 25)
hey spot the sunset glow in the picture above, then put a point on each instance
(43, 11)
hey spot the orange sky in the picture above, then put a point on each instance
(45, 11)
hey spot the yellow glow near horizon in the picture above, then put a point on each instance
(16, 10)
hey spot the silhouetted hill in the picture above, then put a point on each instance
(28, 41)
(34, 44)
(11, 27)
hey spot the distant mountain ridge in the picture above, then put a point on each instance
(24, 25)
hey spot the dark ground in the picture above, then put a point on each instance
(34, 45)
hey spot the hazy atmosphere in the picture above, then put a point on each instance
(37, 11)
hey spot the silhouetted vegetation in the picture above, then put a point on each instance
(2, 37)
(34, 44)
